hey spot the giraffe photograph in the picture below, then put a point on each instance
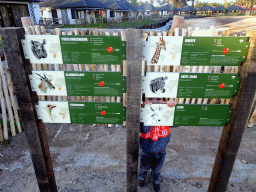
(163, 50)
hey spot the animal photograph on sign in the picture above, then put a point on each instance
(158, 115)
(48, 82)
(163, 50)
(161, 85)
(42, 49)
(38, 49)
(54, 112)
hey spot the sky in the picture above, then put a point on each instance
(189, 3)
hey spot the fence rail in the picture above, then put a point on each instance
(10, 120)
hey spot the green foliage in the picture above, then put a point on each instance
(1, 46)
(7, 142)
(114, 24)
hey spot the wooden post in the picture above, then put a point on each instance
(34, 128)
(134, 61)
(232, 133)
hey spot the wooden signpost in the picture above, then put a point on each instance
(20, 69)
(232, 133)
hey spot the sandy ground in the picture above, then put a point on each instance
(230, 23)
(87, 158)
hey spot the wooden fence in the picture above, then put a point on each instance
(35, 130)
(10, 122)
(8, 97)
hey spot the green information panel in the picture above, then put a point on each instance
(214, 51)
(207, 85)
(95, 83)
(185, 115)
(92, 49)
(201, 115)
(81, 112)
(97, 113)
(74, 83)
(190, 85)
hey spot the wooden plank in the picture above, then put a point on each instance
(7, 99)
(134, 61)
(14, 106)
(3, 107)
(233, 132)
(34, 128)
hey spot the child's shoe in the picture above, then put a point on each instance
(156, 187)
(141, 183)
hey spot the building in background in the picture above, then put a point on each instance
(11, 12)
(150, 9)
(74, 11)
(120, 10)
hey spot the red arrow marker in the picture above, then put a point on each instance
(102, 112)
(110, 49)
(101, 83)
(222, 85)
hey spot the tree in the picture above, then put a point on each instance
(192, 2)
(183, 2)
(225, 4)
(162, 2)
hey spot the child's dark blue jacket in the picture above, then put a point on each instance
(154, 138)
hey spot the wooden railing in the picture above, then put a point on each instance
(51, 22)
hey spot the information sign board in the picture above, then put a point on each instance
(76, 83)
(190, 85)
(81, 112)
(197, 51)
(72, 49)
(185, 115)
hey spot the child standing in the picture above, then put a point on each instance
(153, 142)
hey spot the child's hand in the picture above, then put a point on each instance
(148, 102)
(171, 103)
